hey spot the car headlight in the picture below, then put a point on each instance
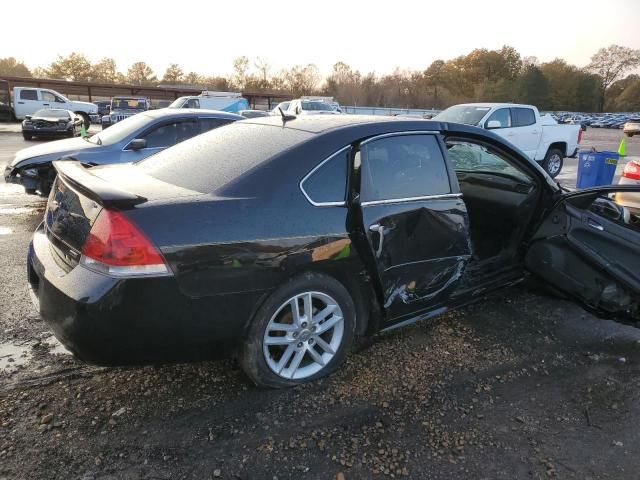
(30, 172)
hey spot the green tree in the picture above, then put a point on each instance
(629, 99)
(105, 71)
(13, 68)
(74, 67)
(141, 74)
(532, 87)
(610, 64)
(435, 78)
(173, 74)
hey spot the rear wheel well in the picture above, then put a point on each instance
(368, 311)
(562, 146)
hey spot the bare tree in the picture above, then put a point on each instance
(610, 64)
(173, 74)
(141, 74)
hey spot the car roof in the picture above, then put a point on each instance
(190, 112)
(323, 123)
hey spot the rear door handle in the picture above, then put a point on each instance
(45, 104)
(20, 103)
(596, 225)
(376, 227)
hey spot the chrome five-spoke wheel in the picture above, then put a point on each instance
(303, 335)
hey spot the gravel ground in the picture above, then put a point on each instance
(519, 385)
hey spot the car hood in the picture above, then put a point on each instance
(85, 104)
(50, 119)
(52, 150)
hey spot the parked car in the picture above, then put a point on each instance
(51, 122)
(28, 100)
(254, 113)
(541, 138)
(327, 227)
(225, 101)
(122, 108)
(284, 106)
(311, 107)
(128, 141)
(104, 107)
(630, 176)
(632, 127)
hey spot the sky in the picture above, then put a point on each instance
(371, 35)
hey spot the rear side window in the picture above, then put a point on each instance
(327, 183)
(28, 95)
(207, 124)
(403, 167)
(523, 117)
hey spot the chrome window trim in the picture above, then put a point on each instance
(443, 196)
(317, 167)
(400, 134)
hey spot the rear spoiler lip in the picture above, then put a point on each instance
(106, 194)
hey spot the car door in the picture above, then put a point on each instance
(504, 124)
(160, 136)
(588, 246)
(51, 100)
(414, 221)
(526, 133)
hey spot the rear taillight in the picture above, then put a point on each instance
(632, 170)
(580, 135)
(116, 247)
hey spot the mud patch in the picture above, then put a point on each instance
(13, 356)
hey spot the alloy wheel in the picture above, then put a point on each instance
(554, 164)
(303, 335)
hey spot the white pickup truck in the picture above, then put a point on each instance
(28, 100)
(540, 137)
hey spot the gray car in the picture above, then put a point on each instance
(130, 140)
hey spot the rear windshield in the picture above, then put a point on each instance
(469, 114)
(210, 161)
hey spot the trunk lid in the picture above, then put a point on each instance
(79, 194)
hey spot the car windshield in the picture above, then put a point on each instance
(51, 113)
(469, 114)
(178, 103)
(317, 106)
(128, 104)
(210, 161)
(121, 130)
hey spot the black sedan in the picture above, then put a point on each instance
(287, 237)
(53, 122)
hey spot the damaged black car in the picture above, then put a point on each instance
(51, 122)
(288, 237)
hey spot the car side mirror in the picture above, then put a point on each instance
(491, 124)
(137, 144)
(27, 117)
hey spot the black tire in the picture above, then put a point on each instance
(553, 162)
(630, 135)
(85, 119)
(30, 191)
(26, 136)
(252, 357)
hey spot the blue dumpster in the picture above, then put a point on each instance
(596, 168)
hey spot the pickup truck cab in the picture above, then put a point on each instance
(28, 100)
(541, 138)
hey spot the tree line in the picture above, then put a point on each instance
(480, 76)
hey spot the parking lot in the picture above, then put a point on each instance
(519, 385)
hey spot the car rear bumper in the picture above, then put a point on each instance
(111, 321)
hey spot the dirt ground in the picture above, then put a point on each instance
(519, 385)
